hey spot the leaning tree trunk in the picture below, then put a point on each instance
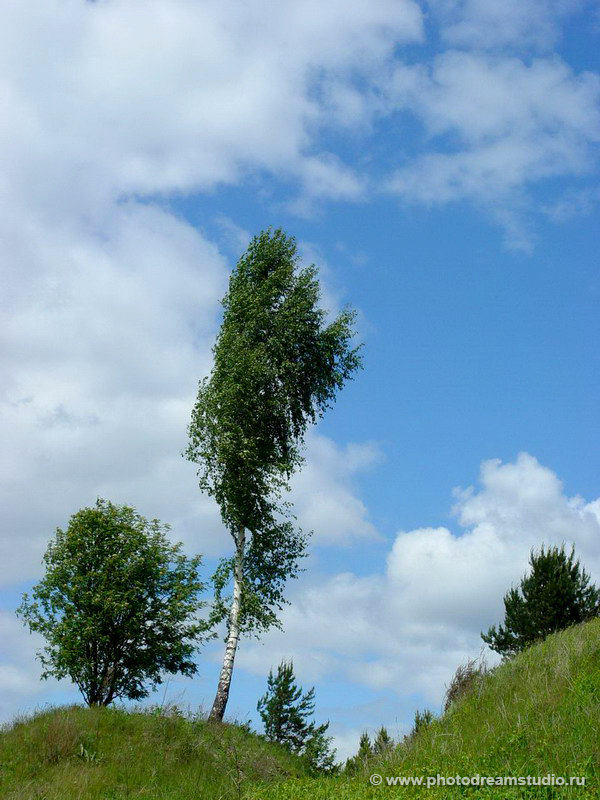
(218, 708)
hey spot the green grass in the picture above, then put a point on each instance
(111, 754)
(536, 715)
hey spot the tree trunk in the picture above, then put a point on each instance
(218, 708)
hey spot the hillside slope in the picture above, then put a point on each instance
(110, 754)
(535, 716)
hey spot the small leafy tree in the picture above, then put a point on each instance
(285, 712)
(556, 594)
(117, 605)
(277, 368)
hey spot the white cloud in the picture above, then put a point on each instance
(481, 97)
(511, 23)
(128, 97)
(504, 126)
(106, 335)
(19, 670)
(323, 493)
(406, 629)
(573, 203)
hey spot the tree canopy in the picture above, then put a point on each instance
(277, 367)
(117, 606)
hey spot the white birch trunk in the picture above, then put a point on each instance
(218, 708)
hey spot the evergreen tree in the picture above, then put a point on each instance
(285, 712)
(422, 720)
(365, 752)
(554, 596)
(318, 751)
(365, 748)
(383, 742)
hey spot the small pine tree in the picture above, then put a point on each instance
(285, 712)
(422, 720)
(365, 748)
(360, 760)
(383, 742)
(554, 596)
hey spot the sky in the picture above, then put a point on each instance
(438, 161)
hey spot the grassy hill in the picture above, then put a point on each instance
(536, 715)
(110, 754)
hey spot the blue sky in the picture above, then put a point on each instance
(439, 162)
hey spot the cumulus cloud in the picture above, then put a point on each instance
(106, 334)
(406, 629)
(510, 124)
(110, 302)
(121, 98)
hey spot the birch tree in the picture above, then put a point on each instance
(277, 368)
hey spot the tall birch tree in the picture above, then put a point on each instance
(277, 367)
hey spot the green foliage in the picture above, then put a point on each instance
(555, 595)
(365, 748)
(160, 754)
(277, 367)
(318, 752)
(285, 712)
(421, 721)
(117, 605)
(382, 745)
(271, 558)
